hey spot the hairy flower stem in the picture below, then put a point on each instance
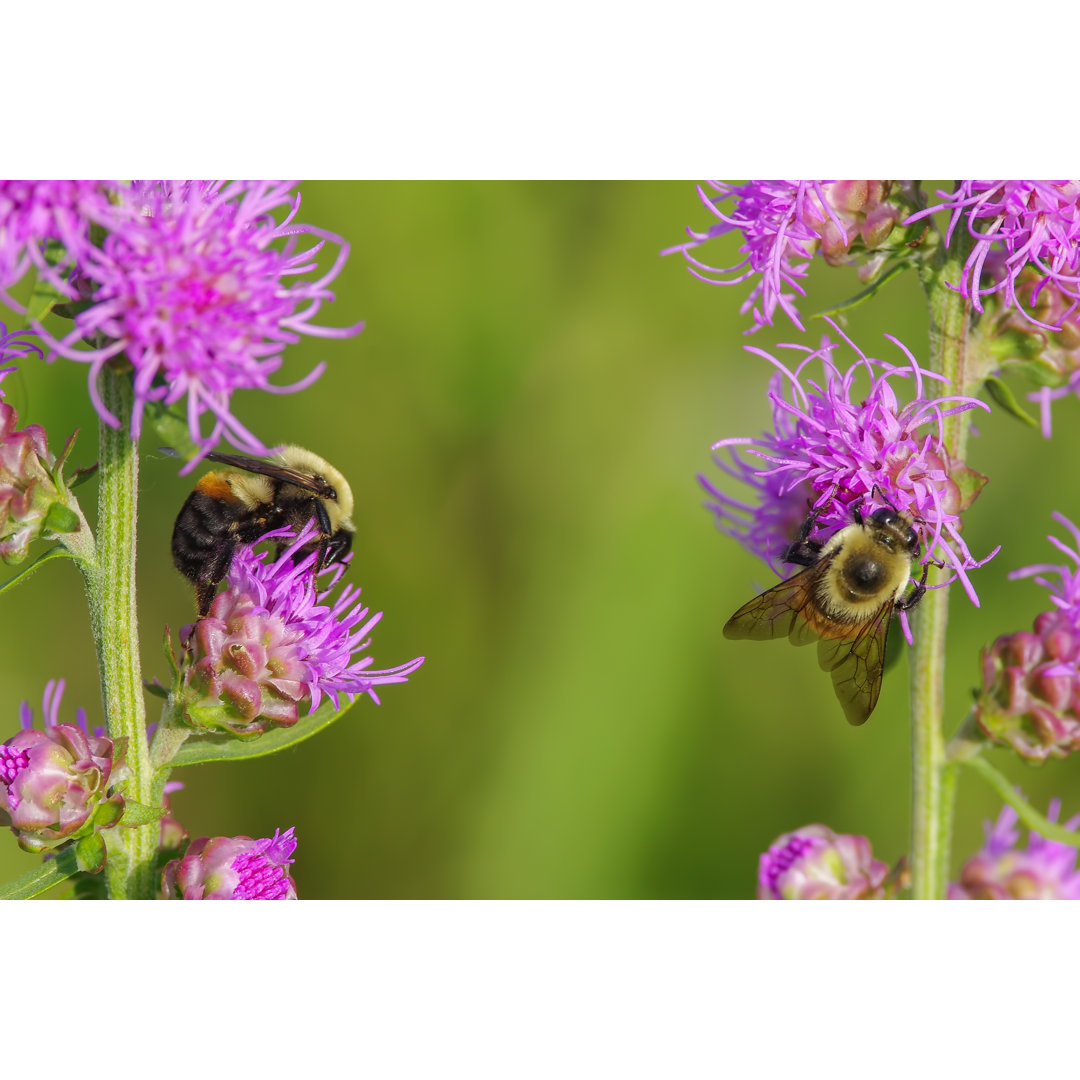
(933, 776)
(110, 586)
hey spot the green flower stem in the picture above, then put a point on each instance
(110, 586)
(933, 777)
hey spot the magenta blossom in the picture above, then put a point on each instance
(35, 212)
(1030, 698)
(233, 868)
(784, 223)
(839, 444)
(815, 863)
(1035, 223)
(272, 640)
(1045, 871)
(200, 290)
(54, 782)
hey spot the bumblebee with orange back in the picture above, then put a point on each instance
(844, 600)
(240, 504)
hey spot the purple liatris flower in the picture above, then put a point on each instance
(35, 212)
(233, 868)
(201, 289)
(1030, 698)
(1045, 871)
(54, 782)
(784, 223)
(34, 499)
(272, 640)
(815, 863)
(1034, 223)
(843, 440)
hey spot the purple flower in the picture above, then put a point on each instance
(839, 443)
(54, 783)
(272, 640)
(1030, 698)
(34, 500)
(34, 212)
(233, 868)
(1046, 871)
(784, 223)
(1034, 223)
(814, 863)
(193, 287)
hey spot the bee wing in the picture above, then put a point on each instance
(856, 662)
(778, 612)
(269, 468)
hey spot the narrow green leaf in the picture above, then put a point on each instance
(1003, 395)
(1028, 814)
(57, 551)
(171, 426)
(869, 291)
(201, 749)
(41, 878)
(44, 296)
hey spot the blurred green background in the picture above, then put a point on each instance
(522, 421)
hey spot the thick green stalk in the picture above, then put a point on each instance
(110, 585)
(933, 778)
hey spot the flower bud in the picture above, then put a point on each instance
(1046, 871)
(814, 863)
(34, 499)
(54, 783)
(233, 868)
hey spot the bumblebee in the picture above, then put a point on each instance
(252, 497)
(843, 600)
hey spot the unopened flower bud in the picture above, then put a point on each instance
(54, 783)
(814, 863)
(233, 868)
(1030, 698)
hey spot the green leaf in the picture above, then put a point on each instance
(1028, 814)
(57, 551)
(969, 482)
(90, 853)
(44, 296)
(1003, 395)
(862, 297)
(61, 519)
(171, 426)
(201, 749)
(42, 878)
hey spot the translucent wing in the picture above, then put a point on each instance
(856, 663)
(781, 611)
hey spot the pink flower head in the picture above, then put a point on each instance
(1030, 698)
(1045, 871)
(272, 640)
(1034, 223)
(784, 223)
(815, 863)
(52, 781)
(835, 447)
(35, 212)
(233, 868)
(200, 289)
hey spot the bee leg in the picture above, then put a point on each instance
(906, 603)
(804, 551)
(322, 519)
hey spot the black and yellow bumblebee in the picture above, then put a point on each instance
(252, 497)
(844, 600)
